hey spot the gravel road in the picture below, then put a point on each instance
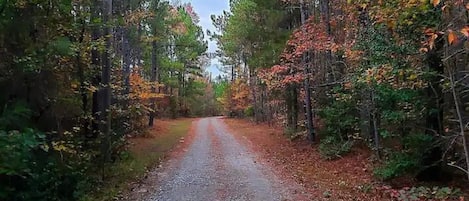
(217, 167)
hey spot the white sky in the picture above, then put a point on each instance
(205, 8)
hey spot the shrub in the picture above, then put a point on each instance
(330, 148)
(31, 170)
(407, 160)
(422, 193)
(249, 111)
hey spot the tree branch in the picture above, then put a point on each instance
(458, 167)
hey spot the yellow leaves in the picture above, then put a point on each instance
(44, 147)
(92, 88)
(74, 86)
(435, 2)
(413, 76)
(452, 37)
(21, 3)
(398, 79)
(62, 146)
(363, 6)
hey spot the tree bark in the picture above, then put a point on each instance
(95, 63)
(105, 84)
(154, 75)
(307, 88)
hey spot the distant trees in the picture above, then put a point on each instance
(387, 74)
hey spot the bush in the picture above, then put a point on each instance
(330, 148)
(423, 193)
(31, 170)
(249, 111)
(398, 164)
(408, 160)
(340, 123)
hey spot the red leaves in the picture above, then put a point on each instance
(311, 36)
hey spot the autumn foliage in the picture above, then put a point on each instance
(390, 75)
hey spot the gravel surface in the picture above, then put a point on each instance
(217, 167)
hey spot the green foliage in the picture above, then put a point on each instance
(343, 110)
(341, 125)
(332, 148)
(408, 160)
(220, 89)
(15, 116)
(249, 111)
(52, 88)
(31, 171)
(15, 151)
(423, 193)
(396, 165)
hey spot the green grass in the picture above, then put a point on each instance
(135, 162)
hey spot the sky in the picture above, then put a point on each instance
(205, 8)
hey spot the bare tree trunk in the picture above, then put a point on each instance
(83, 84)
(461, 123)
(154, 75)
(126, 55)
(307, 88)
(106, 88)
(325, 16)
(95, 63)
(374, 119)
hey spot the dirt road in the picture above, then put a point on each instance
(217, 167)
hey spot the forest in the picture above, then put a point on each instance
(79, 78)
(391, 76)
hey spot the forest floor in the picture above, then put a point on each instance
(348, 178)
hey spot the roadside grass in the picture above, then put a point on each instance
(144, 153)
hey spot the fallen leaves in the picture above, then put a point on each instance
(331, 180)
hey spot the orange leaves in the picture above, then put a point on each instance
(240, 95)
(452, 37)
(435, 2)
(142, 89)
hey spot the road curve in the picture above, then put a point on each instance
(217, 167)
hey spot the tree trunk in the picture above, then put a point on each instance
(105, 83)
(95, 63)
(154, 75)
(307, 88)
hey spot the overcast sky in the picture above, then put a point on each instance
(205, 8)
